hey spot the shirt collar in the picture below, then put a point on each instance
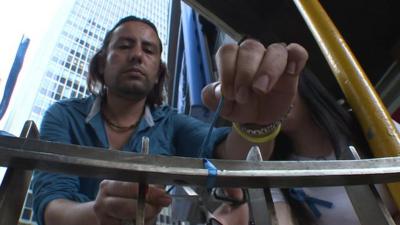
(96, 107)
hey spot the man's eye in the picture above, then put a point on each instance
(149, 50)
(123, 46)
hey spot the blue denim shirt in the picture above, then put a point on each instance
(79, 121)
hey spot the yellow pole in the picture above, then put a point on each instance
(372, 115)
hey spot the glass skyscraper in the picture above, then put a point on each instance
(80, 37)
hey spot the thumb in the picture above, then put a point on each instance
(158, 197)
(211, 95)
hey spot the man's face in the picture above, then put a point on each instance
(132, 61)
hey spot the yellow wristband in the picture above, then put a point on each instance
(258, 139)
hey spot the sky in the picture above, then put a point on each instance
(19, 17)
(23, 17)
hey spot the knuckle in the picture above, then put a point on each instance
(252, 44)
(277, 50)
(227, 49)
(104, 185)
(298, 50)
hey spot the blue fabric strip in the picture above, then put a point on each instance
(212, 173)
(299, 195)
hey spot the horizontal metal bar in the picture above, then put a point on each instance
(110, 164)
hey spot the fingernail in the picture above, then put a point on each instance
(242, 95)
(165, 200)
(261, 84)
(217, 91)
(291, 68)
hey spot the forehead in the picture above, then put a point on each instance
(135, 30)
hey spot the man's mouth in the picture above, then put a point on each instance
(134, 72)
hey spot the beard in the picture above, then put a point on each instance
(132, 89)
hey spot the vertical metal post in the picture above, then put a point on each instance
(15, 184)
(141, 201)
(366, 201)
(374, 119)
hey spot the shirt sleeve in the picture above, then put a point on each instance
(48, 186)
(189, 134)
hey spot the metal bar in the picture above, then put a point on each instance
(374, 119)
(261, 206)
(109, 164)
(212, 17)
(271, 212)
(15, 185)
(366, 201)
(141, 201)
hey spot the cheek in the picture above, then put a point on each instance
(154, 70)
(111, 64)
(112, 58)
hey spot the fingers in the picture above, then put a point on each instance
(251, 68)
(249, 58)
(117, 200)
(226, 65)
(123, 208)
(155, 195)
(271, 68)
(296, 60)
(235, 193)
(119, 188)
(259, 84)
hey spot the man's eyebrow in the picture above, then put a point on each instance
(125, 39)
(144, 42)
(149, 43)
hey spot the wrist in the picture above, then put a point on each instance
(256, 133)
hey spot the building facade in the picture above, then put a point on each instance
(80, 37)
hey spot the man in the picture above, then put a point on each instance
(126, 76)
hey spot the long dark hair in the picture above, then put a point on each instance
(95, 81)
(335, 119)
(332, 117)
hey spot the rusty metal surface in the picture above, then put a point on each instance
(15, 184)
(101, 163)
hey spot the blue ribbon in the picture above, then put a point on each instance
(299, 195)
(212, 173)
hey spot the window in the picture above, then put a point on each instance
(26, 214)
(36, 109)
(42, 91)
(28, 202)
(82, 89)
(59, 89)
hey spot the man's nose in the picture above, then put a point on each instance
(136, 54)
